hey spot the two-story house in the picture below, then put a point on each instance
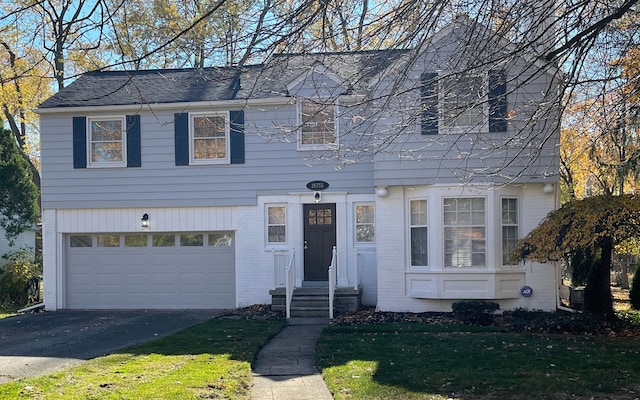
(196, 188)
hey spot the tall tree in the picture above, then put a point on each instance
(18, 193)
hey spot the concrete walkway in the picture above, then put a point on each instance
(285, 368)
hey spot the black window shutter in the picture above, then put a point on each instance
(79, 142)
(429, 103)
(237, 136)
(133, 141)
(181, 131)
(497, 101)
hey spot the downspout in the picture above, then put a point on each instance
(559, 305)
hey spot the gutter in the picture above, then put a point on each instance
(559, 305)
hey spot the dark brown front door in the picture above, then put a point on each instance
(319, 239)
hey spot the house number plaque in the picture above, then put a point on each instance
(317, 185)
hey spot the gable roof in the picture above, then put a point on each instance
(214, 84)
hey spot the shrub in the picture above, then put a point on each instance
(475, 312)
(15, 275)
(634, 293)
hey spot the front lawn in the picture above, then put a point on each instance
(209, 360)
(409, 360)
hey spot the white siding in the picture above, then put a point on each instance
(25, 239)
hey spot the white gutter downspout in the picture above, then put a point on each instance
(559, 305)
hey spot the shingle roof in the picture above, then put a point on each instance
(103, 88)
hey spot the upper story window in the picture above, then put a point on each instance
(317, 125)
(509, 221)
(107, 141)
(209, 138)
(464, 232)
(463, 102)
(365, 223)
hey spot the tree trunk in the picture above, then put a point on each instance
(598, 292)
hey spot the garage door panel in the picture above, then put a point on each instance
(150, 277)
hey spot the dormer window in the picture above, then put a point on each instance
(317, 124)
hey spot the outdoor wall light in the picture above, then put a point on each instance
(145, 220)
(317, 197)
(382, 191)
(547, 188)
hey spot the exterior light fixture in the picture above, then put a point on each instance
(145, 220)
(547, 188)
(382, 191)
(317, 197)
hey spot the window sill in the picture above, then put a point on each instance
(318, 147)
(464, 284)
(100, 166)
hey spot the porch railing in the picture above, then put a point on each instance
(289, 283)
(332, 281)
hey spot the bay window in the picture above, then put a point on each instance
(464, 232)
(509, 221)
(419, 237)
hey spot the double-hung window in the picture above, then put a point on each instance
(276, 224)
(509, 229)
(418, 232)
(464, 232)
(463, 101)
(107, 142)
(365, 223)
(209, 138)
(317, 124)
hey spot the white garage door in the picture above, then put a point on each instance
(150, 271)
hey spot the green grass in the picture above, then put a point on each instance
(209, 360)
(421, 361)
(8, 311)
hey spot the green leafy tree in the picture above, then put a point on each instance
(592, 226)
(18, 193)
(18, 269)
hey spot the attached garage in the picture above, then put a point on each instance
(150, 271)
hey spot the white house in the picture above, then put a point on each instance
(193, 188)
(26, 239)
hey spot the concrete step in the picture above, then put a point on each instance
(309, 311)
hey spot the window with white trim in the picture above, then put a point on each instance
(509, 229)
(419, 233)
(463, 101)
(317, 124)
(209, 137)
(464, 232)
(107, 141)
(276, 224)
(365, 223)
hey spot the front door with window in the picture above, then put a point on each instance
(319, 239)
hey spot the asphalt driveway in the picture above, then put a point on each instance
(42, 343)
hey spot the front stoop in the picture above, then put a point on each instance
(314, 301)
